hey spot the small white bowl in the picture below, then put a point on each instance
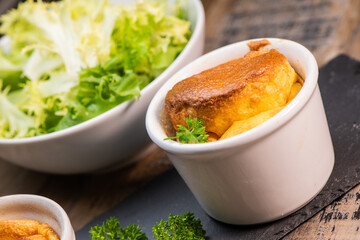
(110, 138)
(267, 172)
(42, 209)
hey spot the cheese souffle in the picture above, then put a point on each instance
(235, 96)
(26, 229)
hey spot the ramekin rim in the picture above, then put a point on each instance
(66, 227)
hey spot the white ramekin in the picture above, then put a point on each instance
(42, 209)
(267, 172)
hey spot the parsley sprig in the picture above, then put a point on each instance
(184, 227)
(193, 133)
(111, 230)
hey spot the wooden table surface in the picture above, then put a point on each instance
(326, 27)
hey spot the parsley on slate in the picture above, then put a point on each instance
(111, 230)
(184, 227)
(193, 133)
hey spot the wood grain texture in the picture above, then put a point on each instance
(326, 27)
(339, 221)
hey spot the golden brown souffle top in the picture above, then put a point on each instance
(233, 91)
(26, 229)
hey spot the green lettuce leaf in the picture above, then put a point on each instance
(71, 60)
(11, 65)
(13, 122)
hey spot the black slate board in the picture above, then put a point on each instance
(340, 88)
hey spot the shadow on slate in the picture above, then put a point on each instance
(340, 88)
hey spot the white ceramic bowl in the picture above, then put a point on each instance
(44, 210)
(267, 172)
(112, 137)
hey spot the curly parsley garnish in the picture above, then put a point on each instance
(111, 230)
(184, 227)
(193, 133)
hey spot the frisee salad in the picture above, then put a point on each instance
(69, 61)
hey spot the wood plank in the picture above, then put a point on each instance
(325, 26)
(339, 221)
(344, 34)
(353, 48)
